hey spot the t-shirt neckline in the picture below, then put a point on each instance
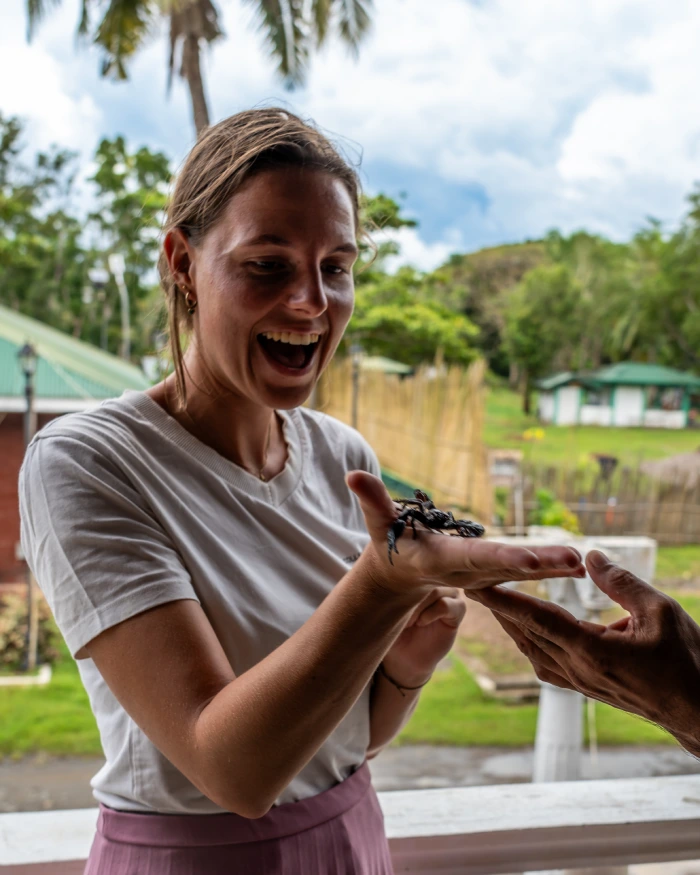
(273, 491)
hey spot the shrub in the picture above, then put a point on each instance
(13, 632)
(501, 497)
(550, 512)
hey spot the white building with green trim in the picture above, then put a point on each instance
(625, 395)
(70, 376)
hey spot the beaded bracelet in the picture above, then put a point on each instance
(399, 686)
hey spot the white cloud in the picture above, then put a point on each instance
(415, 251)
(34, 87)
(566, 114)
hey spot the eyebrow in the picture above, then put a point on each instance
(281, 241)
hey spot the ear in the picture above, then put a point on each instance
(180, 253)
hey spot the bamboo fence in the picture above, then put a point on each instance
(426, 429)
(629, 502)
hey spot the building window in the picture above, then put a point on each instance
(659, 398)
(596, 397)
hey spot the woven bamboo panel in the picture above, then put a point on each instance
(427, 428)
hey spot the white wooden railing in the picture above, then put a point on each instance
(462, 831)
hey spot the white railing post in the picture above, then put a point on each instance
(559, 738)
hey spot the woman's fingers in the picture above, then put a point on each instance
(432, 598)
(449, 609)
(435, 557)
(493, 559)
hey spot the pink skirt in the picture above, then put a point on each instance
(338, 832)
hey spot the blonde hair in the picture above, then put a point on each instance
(224, 157)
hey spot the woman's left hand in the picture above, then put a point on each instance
(427, 637)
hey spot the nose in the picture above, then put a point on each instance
(308, 295)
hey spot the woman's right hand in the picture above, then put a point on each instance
(432, 559)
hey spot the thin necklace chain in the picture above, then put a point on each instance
(260, 472)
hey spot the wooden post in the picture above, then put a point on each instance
(33, 620)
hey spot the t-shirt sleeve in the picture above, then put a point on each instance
(97, 552)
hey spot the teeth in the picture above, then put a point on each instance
(291, 337)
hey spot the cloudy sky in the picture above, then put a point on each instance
(498, 119)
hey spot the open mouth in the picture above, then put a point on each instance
(293, 351)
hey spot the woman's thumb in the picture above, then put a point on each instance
(375, 501)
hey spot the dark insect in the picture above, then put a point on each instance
(421, 509)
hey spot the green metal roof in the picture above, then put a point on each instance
(624, 374)
(553, 382)
(67, 368)
(388, 366)
(640, 374)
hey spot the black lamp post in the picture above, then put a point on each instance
(27, 361)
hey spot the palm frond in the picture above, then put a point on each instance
(36, 10)
(173, 38)
(320, 19)
(286, 33)
(121, 33)
(84, 22)
(354, 21)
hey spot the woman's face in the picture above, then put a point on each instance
(274, 286)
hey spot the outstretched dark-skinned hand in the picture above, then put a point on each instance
(647, 663)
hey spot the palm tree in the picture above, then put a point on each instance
(292, 30)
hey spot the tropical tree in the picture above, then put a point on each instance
(131, 193)
(378, 213)
(669, 298)
(49, 248)
(542, 323)
(393, 318)
(292, 30)
(43, 264)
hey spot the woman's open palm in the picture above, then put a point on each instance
(434, 559)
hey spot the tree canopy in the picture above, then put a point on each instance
(48, 250)
(566, 302)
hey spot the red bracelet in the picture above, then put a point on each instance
(399, 687)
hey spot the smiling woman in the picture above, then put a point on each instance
(215, 553)
(289, 348)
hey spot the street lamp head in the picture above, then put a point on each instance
(116, 264)
(99, 277)
(27, 359)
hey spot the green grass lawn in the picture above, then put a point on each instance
(504, 425)
(55, 719)
(690, 602)
(454, 711)
(674, 563)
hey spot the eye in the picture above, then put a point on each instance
(334, 269)
(267, 266)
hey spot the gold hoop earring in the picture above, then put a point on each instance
(191, 304)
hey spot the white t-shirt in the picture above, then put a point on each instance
(122, 509)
